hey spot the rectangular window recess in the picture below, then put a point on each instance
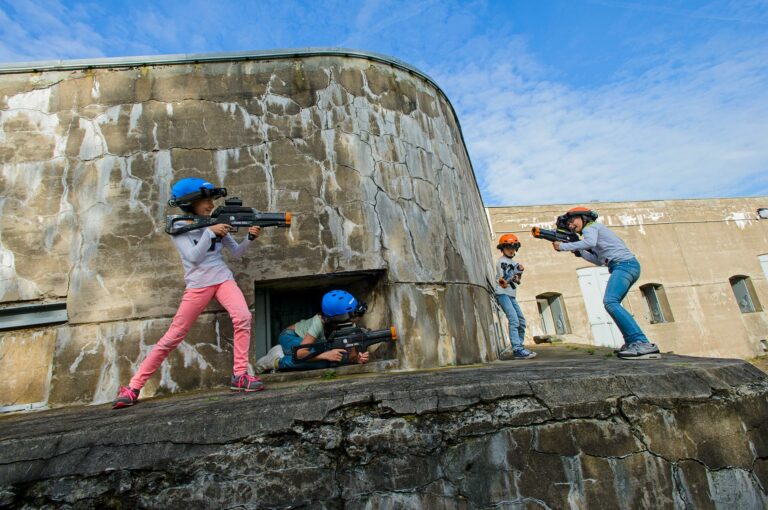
(27, 316)
(281, 302)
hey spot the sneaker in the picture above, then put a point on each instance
(640, 350)
(245, 383)
(524, 353)
(126, 397)
(507, 354)
(622, 348)
(270, 361)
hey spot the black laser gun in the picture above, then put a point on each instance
(560, 234)
(346, 336)
(232, 213)
(563, 236)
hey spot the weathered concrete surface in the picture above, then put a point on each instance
(368, 157)
(571, 430)
(691, 247)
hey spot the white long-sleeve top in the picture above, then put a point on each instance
(203, 264)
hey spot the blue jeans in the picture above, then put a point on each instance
(515, 318)
(623, 276)
(289, 339)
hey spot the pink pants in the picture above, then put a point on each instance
(192, 305)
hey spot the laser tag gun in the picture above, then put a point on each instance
(511, 275)
(232, 213)
(346, 336)
(561, 235)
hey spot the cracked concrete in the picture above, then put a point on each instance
(368, 157)
(568, 431)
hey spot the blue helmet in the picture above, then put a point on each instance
(338, 302)
(185, 191)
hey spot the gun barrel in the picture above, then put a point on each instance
(382, 334)
(273, 219)
(540, 233)
(554, 235)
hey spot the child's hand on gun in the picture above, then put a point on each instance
(254, 231)
(220, 229)
(334, 355)
(503, 283)
(556, 245)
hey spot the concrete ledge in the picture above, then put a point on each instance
(330, 373)
(570, 428)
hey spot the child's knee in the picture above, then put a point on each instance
(241, 319)
(171, 339)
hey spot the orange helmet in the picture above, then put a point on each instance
(585, 212)
(509, 240)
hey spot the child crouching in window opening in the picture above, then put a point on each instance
(337, 307)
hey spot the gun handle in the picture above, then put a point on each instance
(251, 237)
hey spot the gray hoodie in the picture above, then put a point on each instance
(604, 246)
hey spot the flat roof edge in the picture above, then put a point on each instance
(195, 58)
(621, 202)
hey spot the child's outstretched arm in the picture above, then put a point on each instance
(589, 257)
(334, 355)
(238, 249)
(587, 242)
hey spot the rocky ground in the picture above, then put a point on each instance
(574, 428)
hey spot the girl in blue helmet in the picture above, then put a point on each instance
(337, 306)
(207, 277)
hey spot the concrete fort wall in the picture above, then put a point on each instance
(367, 153)
(690, 247)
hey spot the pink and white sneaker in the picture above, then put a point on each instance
(245, 383)
(126, 397)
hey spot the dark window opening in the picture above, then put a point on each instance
(745, 294)
(553, 315)
(280, 303)
(658, 305)
(31, 315)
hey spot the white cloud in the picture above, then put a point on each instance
(684, 116)
(693, 125)
(46, 30)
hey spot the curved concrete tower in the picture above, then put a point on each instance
(366, 151)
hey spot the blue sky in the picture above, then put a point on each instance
(559, 100)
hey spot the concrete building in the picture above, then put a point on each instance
(702, 291)
(364, 150)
